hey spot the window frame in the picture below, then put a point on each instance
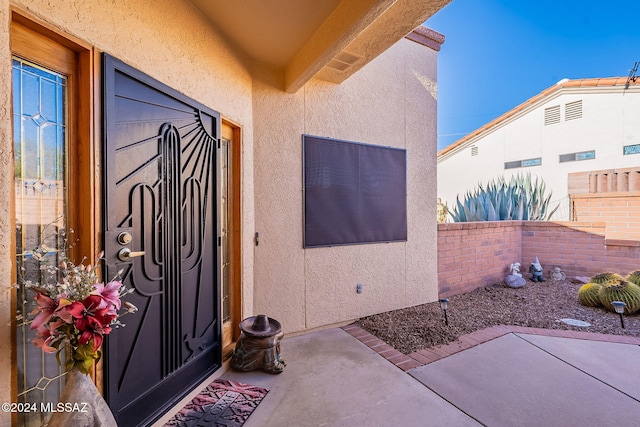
(521, 163)
(41, 44)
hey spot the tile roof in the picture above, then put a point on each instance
(565, 83)
(427, 37)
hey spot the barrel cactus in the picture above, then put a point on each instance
(589, 295)
(620, 290)
(634, 277)
(604, 278)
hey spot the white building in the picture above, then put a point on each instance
(573, 126)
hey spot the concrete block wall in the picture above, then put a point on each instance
(578, 248)
(620, 211)
(475, 254)
(609, 195)
(472, 255)
(622, 256)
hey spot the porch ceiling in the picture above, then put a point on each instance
(329, 39)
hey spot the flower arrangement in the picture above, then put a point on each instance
(76, 311)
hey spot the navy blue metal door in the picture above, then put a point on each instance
(161, 230)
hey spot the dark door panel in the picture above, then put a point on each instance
(161, 204)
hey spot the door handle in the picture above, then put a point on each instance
(125, 254)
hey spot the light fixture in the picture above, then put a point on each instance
(619, 307)
(444, 305)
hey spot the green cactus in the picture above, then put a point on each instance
(634, 277)
(607, 277)
(589, 295)
(620, 290)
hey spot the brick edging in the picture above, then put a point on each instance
(429, 355)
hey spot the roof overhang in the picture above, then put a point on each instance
(327, 39)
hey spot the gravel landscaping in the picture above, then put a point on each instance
(539, 305)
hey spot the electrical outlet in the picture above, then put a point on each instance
(359, 288)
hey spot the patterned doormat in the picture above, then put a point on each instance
(222, 403)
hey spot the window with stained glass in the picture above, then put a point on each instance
(39, 108)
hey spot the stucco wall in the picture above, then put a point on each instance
(389, 102)
(6, 230)
(606, 125)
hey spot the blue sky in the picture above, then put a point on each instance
(499, 53)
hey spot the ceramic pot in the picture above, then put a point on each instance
(81, 404)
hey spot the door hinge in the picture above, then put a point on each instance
(219, 241)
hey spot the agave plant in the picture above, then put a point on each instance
(519, 199)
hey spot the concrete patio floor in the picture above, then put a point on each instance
(333, 379)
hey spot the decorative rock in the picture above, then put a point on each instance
(575, 322)
(514, 281)
(581, 279)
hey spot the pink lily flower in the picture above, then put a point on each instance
(62, 311)
(110, 292)
(44, 336)
(46, 309)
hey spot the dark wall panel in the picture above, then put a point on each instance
(354, 193)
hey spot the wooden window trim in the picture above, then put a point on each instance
(232, 132)
(40, 43)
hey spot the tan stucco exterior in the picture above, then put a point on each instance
(391, 102)
(386, 103)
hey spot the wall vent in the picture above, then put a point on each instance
(344, 60)
(552, 115)
(573, 110)
(474, 151)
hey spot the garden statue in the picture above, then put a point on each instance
(515, 269)
(514, 279)
(536, 271)
(557, 274)
(259, 345)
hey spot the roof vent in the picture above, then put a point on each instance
(573, 110)
(552, 115)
